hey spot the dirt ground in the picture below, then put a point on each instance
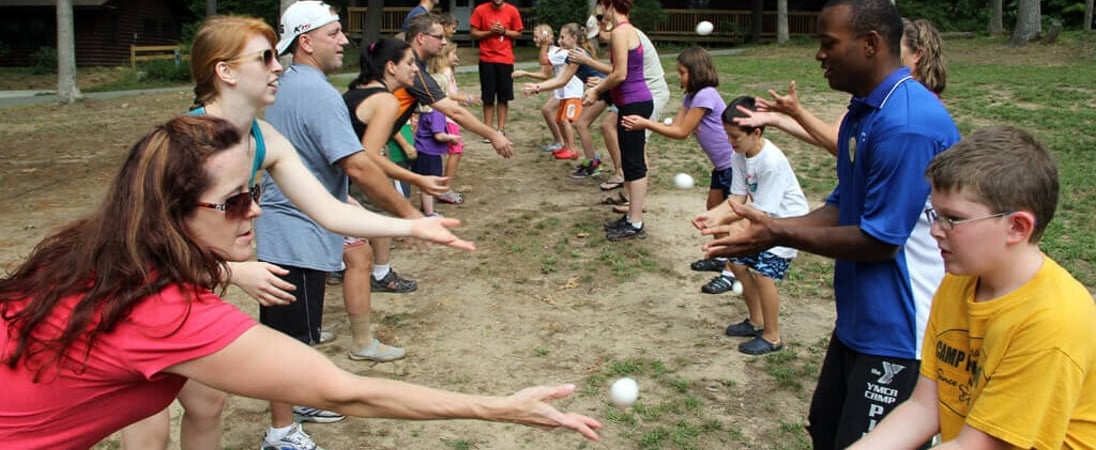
(544, 299)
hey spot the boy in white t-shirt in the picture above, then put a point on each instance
(762, 175)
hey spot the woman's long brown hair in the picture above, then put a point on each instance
(130, 249)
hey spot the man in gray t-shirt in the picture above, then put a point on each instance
(314, 118)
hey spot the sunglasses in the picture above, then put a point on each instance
(266, 56)
(236, 206)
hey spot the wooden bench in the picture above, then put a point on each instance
(153, 52)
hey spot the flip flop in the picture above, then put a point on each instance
(620, 199)
(623, 209)
(611, 184)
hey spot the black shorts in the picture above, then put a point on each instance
(302, 318)
(496, 82)
(854, 392)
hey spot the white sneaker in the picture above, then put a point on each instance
(296, 439)
(306, 414)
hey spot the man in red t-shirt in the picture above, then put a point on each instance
(495, 25)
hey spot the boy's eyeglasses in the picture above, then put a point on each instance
(266, 56)
(948, 223)
(236, 206)
(440, 37)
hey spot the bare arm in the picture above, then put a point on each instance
(582, 57)
(374, 183)
(911, 424)
(684, 124)
(379, 111)
(306, 192)
(555, 83)
(469, 122)
(817, 232)
(252, 366)
(821, 133)
(618, 71)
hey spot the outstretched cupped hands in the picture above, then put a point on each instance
(735, 240)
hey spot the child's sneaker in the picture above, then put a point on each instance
(565, 153)
(586, 169)
(718, 285)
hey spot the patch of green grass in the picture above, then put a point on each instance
(458, 444)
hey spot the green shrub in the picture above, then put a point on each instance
(44, 61)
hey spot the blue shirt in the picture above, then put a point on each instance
(416, 11)
(884, 146)
(313, 117)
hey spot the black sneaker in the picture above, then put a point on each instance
(718, 285)
(709, 265)
(626, 232)
(393, 283)
(614, 224)
(743, 329)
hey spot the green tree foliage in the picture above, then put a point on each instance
(557, 13)
(973, 15)
(646, 13)
(268, 10)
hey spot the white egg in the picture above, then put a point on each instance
(668, 121)
(737, 287)
(683, 181)
(624, 392)
(704, 28)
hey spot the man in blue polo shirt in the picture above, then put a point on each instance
(873, 224)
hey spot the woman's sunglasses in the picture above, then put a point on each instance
(266, 56)
(236, 206)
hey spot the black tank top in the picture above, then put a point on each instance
(355, 97)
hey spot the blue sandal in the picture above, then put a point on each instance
(759, 346)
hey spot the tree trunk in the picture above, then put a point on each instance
(756, 14)
(1088, 15)
(211, 8)
(286, 59)
(781, 21)
(1028, 23)
(371, 23)
(996, 14)
(67, 90)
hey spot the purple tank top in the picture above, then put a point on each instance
(634, 88)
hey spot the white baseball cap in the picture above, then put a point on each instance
(592, 27)
(302, 17)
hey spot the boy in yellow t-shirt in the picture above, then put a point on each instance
(1009, 357)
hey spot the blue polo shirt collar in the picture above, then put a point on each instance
(878, 96)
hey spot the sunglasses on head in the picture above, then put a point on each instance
(236, 206)
(266, 56)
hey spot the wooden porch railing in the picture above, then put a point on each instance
(730, 25)
(391, 20)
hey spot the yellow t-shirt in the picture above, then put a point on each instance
(1022, 367)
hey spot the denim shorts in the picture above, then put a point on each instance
(721, 180)
(765, 263)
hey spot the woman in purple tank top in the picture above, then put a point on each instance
(631, 96)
